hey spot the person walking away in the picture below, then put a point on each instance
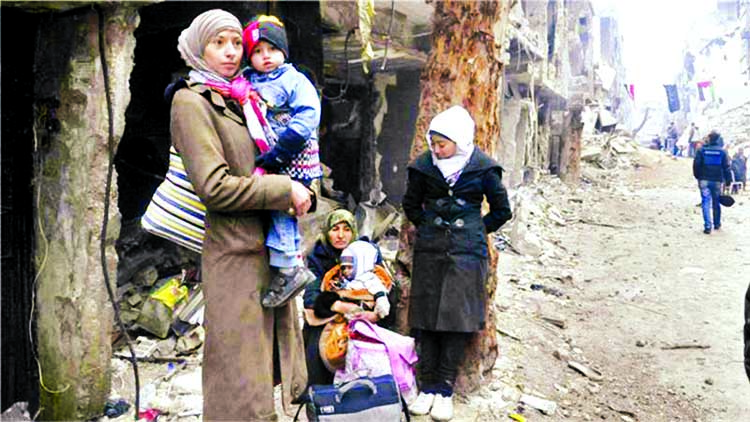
(293, 112)
(445, 189)
(247, 347)
(739, 167)
(711, 169)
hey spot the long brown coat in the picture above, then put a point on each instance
(219, 156)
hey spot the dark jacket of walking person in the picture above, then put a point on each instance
(711, 168)
(248, 348)
(446, 187)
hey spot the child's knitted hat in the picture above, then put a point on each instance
(267, 28)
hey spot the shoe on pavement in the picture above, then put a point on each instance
(717, 227)
(442, 408)
(422, 404)
(285, 285)
(707, 231)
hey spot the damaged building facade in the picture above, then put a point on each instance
(563, 72)
(85, 144)
(714, 83)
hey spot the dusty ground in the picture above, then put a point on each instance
(647, 302)
(636, 276)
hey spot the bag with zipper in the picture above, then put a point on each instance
(363, 399)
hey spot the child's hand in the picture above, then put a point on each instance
(382, 307)
(275, 159)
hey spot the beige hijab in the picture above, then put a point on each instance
(193, 39)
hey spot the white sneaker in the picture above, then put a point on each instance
(422, 404)
(442, 408)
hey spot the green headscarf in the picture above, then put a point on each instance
(338, 216)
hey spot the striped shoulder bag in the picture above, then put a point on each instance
(175, 212)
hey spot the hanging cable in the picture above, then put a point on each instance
(107, 190)
(388, 38)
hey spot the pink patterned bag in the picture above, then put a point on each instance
(375, 351)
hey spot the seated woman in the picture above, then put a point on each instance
(323, 305)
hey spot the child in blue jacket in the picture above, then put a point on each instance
(293, 114)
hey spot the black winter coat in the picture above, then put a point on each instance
(450, 251)
(322, 258)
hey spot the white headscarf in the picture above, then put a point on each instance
(362, 255)
(457, 125)
(193, 39)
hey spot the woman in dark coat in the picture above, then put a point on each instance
(444, 197)
(339, 231)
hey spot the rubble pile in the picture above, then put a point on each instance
(608, 150)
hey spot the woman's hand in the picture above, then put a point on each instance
(344, 308)
(301, 200)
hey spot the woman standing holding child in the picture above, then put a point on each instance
(247, 346)
(445, 191)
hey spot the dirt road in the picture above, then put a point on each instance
(646, 300)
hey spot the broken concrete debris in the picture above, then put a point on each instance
(588, 372)
(545, 406)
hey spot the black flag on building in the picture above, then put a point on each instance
(673, 101)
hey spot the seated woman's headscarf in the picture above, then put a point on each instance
(457, 125)
(336, 217)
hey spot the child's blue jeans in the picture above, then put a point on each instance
(283, 241)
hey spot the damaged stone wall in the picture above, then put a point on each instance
(74, 315)
(538, 77)
(734, 124)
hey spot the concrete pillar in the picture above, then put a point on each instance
(570, 156)
(74, 316)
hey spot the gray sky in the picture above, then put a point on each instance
(655, 34)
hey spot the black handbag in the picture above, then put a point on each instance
(726, 200)
(363, 399)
